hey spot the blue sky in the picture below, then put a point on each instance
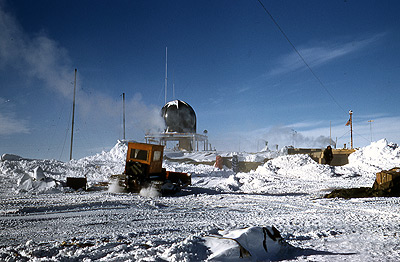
(227, 59)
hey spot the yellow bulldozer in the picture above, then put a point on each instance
(143, 169)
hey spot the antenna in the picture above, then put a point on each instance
(370, 127)
(351, 128)
(123, 105)
(73, 116)
(166, 72)
(173, 84)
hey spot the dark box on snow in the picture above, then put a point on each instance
(77, 182)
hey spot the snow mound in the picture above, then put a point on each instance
(10, 157)
(290, 174)
(253, 243)
(116, 154)
(380, 155)
(276, 174)
(36, 181)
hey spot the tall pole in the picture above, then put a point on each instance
(73, 117)
(123, 105)
(370, 127)
(173, 85)
(294, 134)
(351, 128)
(166, 73)
(330, 132)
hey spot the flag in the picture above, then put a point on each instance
(348, 122)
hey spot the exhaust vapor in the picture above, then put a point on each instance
(39, 57)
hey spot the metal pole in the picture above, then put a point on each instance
(370, 127)
(351, 128)
(330, 132)
(123, 105)
(73, 117)
(166, 73)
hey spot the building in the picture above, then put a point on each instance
(180, 127)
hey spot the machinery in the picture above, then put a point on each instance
(143, 169)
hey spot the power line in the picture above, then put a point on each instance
(361, 136)
(301, 57)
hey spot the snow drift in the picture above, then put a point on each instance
(209, 221)
(36, 181)
(255, 243)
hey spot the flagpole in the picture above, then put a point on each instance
(351, 128)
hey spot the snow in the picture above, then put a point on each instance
(257, 243)
(42, 220)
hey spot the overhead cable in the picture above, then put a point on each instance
(301, 57)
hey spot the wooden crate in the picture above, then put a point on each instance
(387, 175)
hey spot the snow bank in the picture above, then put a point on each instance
(116, 154)
(299, 174)
(284, 173)
(380, 155)
(99, 225)
(10, 157)
(246, 244)
(253, 243)
(36, 181)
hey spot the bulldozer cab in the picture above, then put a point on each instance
(143, 168)
(145, 158)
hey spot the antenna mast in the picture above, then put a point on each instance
(73, 116)
(351, 128)
(166, 73)
(123, 105)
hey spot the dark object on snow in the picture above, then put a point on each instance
(388, 180)
(387, 184)
(179, 117)
(352, 193)
(328, 155)
(77, 183)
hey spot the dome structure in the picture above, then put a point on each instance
(179, 117)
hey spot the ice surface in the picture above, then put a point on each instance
(39, 220)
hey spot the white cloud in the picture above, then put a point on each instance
(11, 125)
(252, 141)
(363, 131)
(39, 57)
(308, 135)
(97, 107)
(320, 54)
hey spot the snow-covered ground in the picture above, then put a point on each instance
(220, 217)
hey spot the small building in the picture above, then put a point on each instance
(340, 156)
